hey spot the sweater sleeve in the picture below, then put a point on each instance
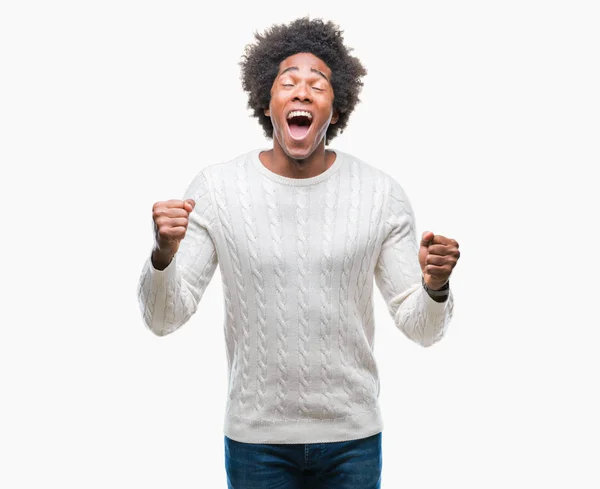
(168, 298)
(398, 276)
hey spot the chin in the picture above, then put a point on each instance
(297, 150)
(298, 153)
(300, 150)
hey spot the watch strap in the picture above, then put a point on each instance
(443, 292)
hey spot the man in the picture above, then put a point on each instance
(299, 232)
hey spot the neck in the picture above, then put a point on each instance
(279, 162)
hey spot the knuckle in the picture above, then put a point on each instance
(160, 212)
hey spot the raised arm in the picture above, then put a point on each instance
(182, 262)
(399, 276)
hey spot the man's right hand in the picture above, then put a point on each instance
(171, 219)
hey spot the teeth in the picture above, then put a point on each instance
(298, 113)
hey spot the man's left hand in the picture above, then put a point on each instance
(437, 256)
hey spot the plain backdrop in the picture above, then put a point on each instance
(486, 112)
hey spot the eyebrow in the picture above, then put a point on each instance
(295, 68)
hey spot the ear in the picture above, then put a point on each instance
(267, 113)
(335, 117)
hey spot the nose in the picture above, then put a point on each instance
(302, 93)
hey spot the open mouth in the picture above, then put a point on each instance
(299, 122)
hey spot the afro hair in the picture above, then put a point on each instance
(261, 60)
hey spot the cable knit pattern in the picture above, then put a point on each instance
(364, 283)
(279, 269)
(230, 337)
(367, 285)
(149, 293)
(303, 312)
(298, 260)
(329, 221)
(257, 280)
(352, 225)
(231, 245)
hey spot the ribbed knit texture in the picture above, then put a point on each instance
(298, 260)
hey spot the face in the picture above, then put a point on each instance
(301, 106)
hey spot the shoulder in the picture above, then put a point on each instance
(370, 170)
(203, 180)
(225, 165)
(396, 199)
(222, 169)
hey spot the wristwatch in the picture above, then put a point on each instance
(443, 292)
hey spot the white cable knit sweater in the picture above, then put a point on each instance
(297, 259)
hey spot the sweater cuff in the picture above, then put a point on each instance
(438, 315)
(161, 277)
(434, 308)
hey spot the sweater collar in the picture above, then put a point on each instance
(296, 182)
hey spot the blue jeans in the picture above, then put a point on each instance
(354, 464)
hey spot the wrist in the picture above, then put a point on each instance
(440, 294)
(161, 260)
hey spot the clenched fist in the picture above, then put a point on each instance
(437, 256)
(171, 219)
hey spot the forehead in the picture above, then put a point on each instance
(305, 61)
